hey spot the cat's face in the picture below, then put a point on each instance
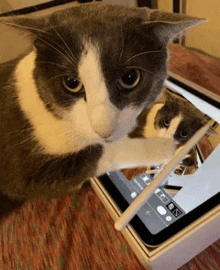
(95, 67)
(113, 67)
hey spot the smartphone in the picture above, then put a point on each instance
(179, 201)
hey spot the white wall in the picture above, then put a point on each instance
(206, 37)
(165, 5)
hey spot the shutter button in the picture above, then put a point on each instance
(161, 210)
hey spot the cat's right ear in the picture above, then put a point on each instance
(169, 25)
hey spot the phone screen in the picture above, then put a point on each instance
(176, 197)
(160, 210)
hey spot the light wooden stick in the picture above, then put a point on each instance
(132, 210)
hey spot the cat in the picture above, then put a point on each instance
(67, 107)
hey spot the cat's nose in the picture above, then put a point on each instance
(104, 131)
(103, 120)
(105, 134)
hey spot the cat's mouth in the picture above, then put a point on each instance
(115, 136)
(111, 139)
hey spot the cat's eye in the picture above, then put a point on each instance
(166, 123)
(130, 79)
(184, 134)
(72, 84)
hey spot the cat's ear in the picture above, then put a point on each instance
(28, 25)
(211, 131)
(169, 25)
(34, 30)
(170, 97)
(174, 96)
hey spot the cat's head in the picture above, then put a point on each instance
(106, 62)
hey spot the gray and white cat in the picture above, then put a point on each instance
(67, 106)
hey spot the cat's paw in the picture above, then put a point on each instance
(162, 149)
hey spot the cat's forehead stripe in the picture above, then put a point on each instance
(102, 113)
(90, 74)
(174, 125)
(149, 129)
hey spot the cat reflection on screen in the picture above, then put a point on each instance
(67, 106)
(172, 117)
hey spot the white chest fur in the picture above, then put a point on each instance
(55, 136)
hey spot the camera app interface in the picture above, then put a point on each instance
(164, 207)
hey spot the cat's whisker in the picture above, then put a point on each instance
(57, 76)
(46, 62)
(62, 39)
(21, 131)
(24, 27)
(58, 45)
(56, 49)
(34, 151)
(45, 32)
(71, 53)
(122, 50)
(150, 72)
(6, 64)
(139, 54)
(28, 138)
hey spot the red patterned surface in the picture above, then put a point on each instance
(52, 235)
(209, 259)
(198, 68)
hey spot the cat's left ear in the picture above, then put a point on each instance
(211, 130)
(169, 25)
(27, 25)
(32, 30)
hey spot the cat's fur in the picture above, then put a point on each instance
(52, 139)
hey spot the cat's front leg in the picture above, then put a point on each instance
(131, 153)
